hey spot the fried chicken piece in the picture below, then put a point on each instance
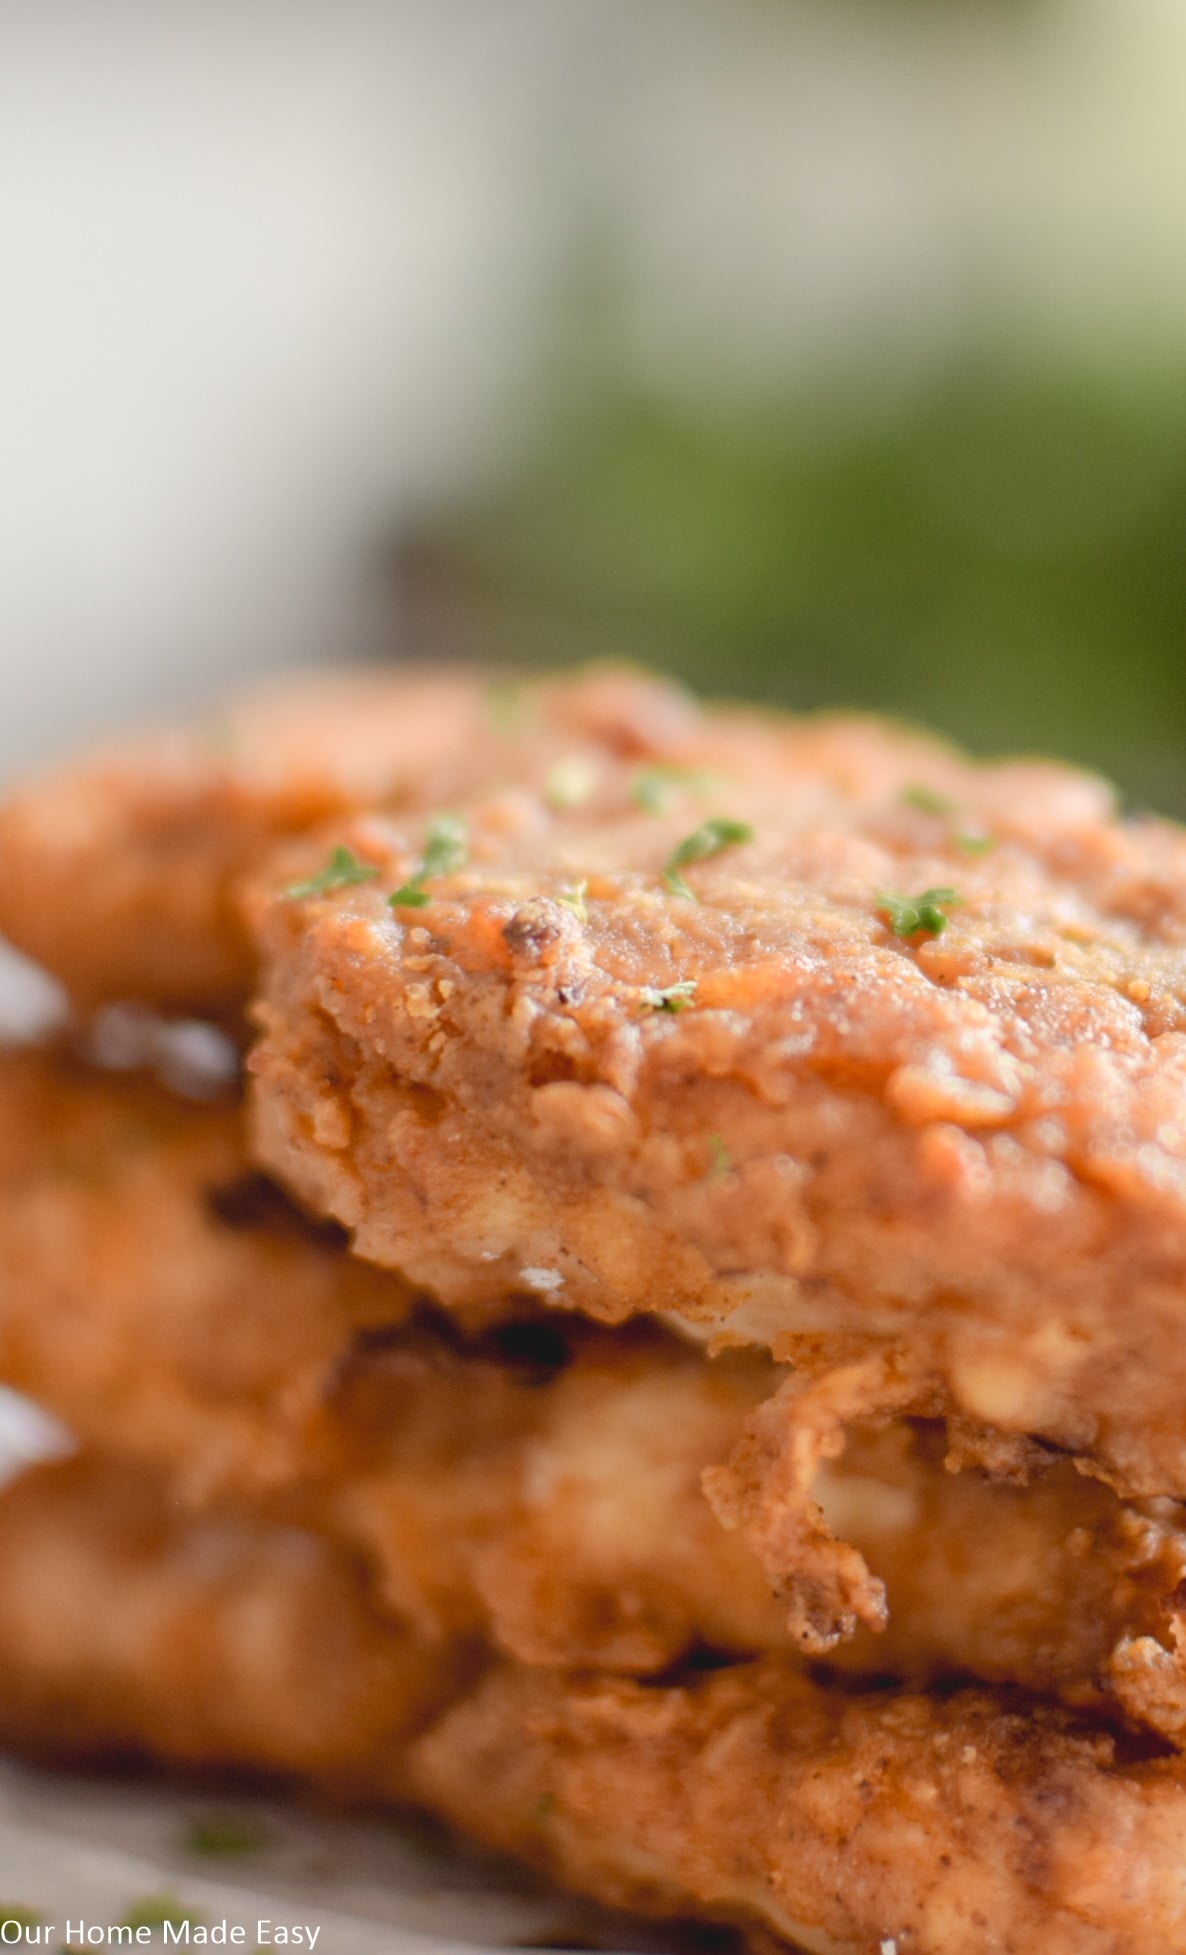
(751, 1794)
(117, 869)
(221, 1640)
(156, 1292)
(563, 1517)
(1009, 1568)
(545, 1493)
(542, 1485)
(560, 1512)
(875, 1824)
(757, 1105)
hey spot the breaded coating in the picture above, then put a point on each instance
(1008, 1567)
(546, 1486)
(875, 1824)
(850, 1822)
(222, 1640)
(156, 1292)
(624, 1060)
(563, 1517)
(117, 869)
(547, 1495)
(542, 1485)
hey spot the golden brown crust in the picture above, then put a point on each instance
(1009, 1569)
(972, 1140)
(156, 1293)
(566, 1522)
(115, 868)
(935, 1182)
(128, 1626)
(842, 1822)
(556, 1511)
(872, 1825)
(118, 869)
(541, 1487)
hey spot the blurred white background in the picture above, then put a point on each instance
(274, 274)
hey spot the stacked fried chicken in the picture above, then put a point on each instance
(675, 1361)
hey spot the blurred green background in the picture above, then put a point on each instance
(995, 546)
(944, 474)
(825, 350)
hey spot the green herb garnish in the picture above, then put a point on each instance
(673, 997)
(908, 915)
(342, 869)
(445, 852)
(570, 782)
(222, 1834)
(573, 898)
(159, 1911)
(709, 839)
(21, 1917)
(718, 1154)
(545, 1805)
(926, 800)
(654, 789)
(969, 841)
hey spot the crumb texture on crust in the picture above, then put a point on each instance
(550, 1486)
(566, 1520)
(118, 869)
(972, 1139)
(946, 1825)
(933, 1827)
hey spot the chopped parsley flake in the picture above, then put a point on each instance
(573, 898)
(342, 869)
(445, 851)
(570, 782)
(969, 841)
(221, 1834)
(909, 915)
(718, 1155)
(709, 839)
(445, 847)
(926, 800)
(655, 788)
(673, 997)
(158, 1911)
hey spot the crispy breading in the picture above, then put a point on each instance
(547, 1497)
(564, 1519)
(156, 1293)
(128, 1626)
(117, 869)
(544, 1490)
(856, 1062)
(839, 1821)
(756, 1105)
(541, 1485)
(874, 1824)
(1007, 1568)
